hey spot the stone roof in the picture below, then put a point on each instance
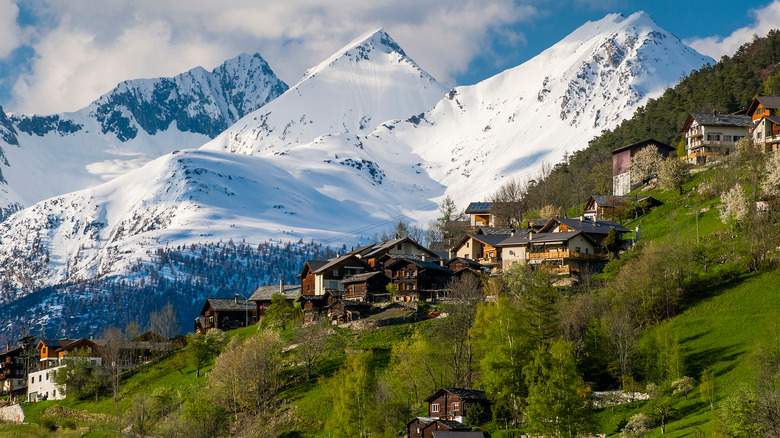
(462, 393)
(230, 304)
(647, 142)
(358, 278)
(539, 238)
(591, 227)
(425, 264)
(738, 120)
(265, 293)
(496, 231)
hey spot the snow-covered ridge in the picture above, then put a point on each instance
(139, 120)
(367, 82)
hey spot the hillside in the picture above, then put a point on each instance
(692, 315)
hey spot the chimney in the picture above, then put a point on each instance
(91, 336)
(441, 262)
(236, 299)
(530, 235)
(424, 258)
(281, 286)
(7, 346)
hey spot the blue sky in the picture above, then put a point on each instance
(60, 55)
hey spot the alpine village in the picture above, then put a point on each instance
(632, 289)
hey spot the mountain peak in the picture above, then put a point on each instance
(361, 48)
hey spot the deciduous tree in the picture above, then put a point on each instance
(674, 173)
(645, 165)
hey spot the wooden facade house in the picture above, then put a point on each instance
(712, 136)
(600, 207)
(621, 164)
(263, 295)
(226, 314)
(53, 354)
(482, 248)
(595, 230)
(368, 287)
(764, 111)
(374, 255)
(315, 307)
(455, 403)
(13, 381)
(320, 277)
(340, 310)
(565, 253)
(425, 427)
(417, 279)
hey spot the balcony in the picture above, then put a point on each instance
(489, 261)
(556, 255)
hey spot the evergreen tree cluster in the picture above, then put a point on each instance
(183, 276)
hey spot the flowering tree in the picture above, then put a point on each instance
(645, 164)
(734, 209)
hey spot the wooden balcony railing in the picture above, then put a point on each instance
(563, 255)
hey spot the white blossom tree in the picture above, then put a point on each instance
(645, 164)
(734, 208)
(772, 182)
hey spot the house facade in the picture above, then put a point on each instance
(454, 403)
(711, 136)
(226, 314)
(53, 355)
(320, 277)
(366, 287)
(373, 255)
(565, 253)
(621, 163)
(12, 371)
(482, 248)
(764, 111)
(416, 279)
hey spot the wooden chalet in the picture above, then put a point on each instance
(374, 255)
(315, 307)
(368, 286)
(53, 351)
(621, 163)
(13, 380)
(595, 230)
(263, 295)
(320, 277)
(712, 136)
(425, 427)
(226, 314)
(481, 214)
(455, 403)
(764, 111)
(600, 207)
(565, 252)
(417, 279)
(461, 266)
(340, 310)
(482, 248)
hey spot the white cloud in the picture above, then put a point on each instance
(94, 44)
(10, 33)
(766, 19)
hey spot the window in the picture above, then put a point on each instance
(738, 137)
(40, 378)
(399, 247)
(726, 138)
(335, 272)
(456, 406)
(577, 249)
(434, 407)
(47, 376)
(54, 393)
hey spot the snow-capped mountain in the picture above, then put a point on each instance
(365, 138)
(367, 82)
(508, 125)
(139, 120)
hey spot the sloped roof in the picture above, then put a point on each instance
(228, 304)
(358, 278)
(734, 120)
(465, 433)
(773, 119)
(380, 248)
(462, 393)
(649, 141)
(313, 265)
(468, 261)
(543, 238)
(333, 262)
(452, 424)
(479, 207)
(771, 102)
(425, 264)
(496, 231)
(265, 293)
(587, 226)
